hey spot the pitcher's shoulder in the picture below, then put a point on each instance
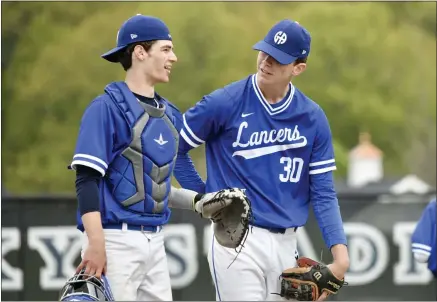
(306, 103)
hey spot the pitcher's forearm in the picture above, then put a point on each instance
(340, 254)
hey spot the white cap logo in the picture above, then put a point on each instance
(133, 36)
(280, 37)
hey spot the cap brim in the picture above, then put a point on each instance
(276, 54)
(112, 55)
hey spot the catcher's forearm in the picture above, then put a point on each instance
(181, 198)
(92, 223)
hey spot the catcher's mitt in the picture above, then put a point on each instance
(308, 281)
(230, 211)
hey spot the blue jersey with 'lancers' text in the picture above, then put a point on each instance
(424, 236)
(282, 154)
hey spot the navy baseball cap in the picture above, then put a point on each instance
(139, 28)
(285, 42)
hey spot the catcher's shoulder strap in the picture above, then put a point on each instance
(124, 100)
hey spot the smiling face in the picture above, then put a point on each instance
(270, 71)
(156, 63)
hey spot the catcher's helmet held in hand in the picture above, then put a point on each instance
(83, 287)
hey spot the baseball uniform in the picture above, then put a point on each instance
(125, 154)
(281, 155)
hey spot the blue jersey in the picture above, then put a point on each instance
(282, 154)
(133, 146)
(424, 236)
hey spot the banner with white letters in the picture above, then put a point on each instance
(41, 249)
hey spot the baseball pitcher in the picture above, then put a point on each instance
(266, 137)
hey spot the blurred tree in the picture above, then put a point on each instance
(27, 29)
(366, 75)
(421, 14)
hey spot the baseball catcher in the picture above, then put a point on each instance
(308, 281)
(230, 211)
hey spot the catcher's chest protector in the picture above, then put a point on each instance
(140, 176)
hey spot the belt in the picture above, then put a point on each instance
(274, 230)
(132, 227)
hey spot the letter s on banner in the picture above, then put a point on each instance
(181, 248)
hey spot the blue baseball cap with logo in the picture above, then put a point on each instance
(285, 42)
(138, 28)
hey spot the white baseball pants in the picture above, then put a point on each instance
(254, 275)
(137, 268)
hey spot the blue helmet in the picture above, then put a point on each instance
(83, 287)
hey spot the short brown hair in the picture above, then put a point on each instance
(300, 60)
(125, 57)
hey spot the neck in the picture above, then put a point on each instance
(274, 92)
(139, 83)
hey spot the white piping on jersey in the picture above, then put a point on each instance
(94, 158)
(323, 170)
(88, 164)
(270, 110)
(324, 162)
(191, 132)
(188, 140)
(421, 246)
(258, 152)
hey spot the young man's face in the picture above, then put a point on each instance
(158, 61)
(271, 71)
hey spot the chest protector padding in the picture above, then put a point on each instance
(140, 177)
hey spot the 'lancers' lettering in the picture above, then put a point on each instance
(258, 138)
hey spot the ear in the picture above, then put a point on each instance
(298, 69)
(140, 53)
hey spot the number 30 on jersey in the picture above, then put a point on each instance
(293, 169)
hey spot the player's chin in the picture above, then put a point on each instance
(264, 78)
(164, 78)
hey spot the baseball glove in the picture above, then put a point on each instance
(230, 211)
(308, 281)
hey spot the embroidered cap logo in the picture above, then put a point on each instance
(280, 37)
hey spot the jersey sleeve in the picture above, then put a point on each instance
(204, 120)
(322, 156)
(424, 234)
(94, 146)
(184, 170)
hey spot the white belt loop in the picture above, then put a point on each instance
(291, 231)
(124, 226)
